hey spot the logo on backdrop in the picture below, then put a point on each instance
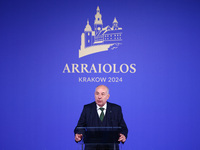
(101, 38)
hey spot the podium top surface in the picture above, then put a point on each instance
(100, 134)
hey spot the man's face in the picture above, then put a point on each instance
(101, 95)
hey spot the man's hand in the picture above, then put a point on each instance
(78, 137)
(122, 138)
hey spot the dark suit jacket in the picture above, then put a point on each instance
(113, 118)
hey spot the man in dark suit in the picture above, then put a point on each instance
(92, 113)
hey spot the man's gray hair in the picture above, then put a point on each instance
(104, 86)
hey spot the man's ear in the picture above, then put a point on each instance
(108, 96)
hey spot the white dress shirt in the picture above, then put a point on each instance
(104, 111)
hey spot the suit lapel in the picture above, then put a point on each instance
(107, 117)
(95, 120)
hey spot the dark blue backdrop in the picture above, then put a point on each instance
(40, 105)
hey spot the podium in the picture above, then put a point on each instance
(99, 138)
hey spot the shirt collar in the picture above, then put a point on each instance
(105, 106)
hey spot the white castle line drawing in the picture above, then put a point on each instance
(101, 39)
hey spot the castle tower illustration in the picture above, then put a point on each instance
(88, 35)
(101, 38)
(98, 23)
(115, 24)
